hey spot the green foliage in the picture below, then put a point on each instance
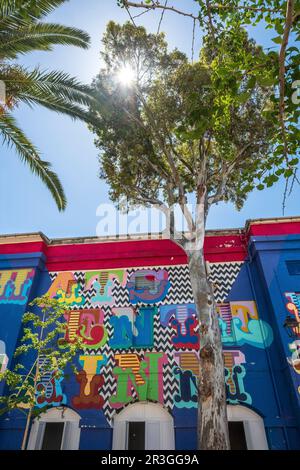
(42, 337)
(21, 31)
(278, 68)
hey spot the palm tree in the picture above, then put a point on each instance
(22, 31)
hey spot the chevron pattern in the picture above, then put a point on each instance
(222, 275)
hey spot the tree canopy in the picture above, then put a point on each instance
(182, 128)
(281, 17)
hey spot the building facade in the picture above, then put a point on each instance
(131, 302)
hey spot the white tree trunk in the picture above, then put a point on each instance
(212, 416)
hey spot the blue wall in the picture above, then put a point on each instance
(269, 381)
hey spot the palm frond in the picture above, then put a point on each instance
(40, 36)
(54, 90)
(13, 136)
(28, 9)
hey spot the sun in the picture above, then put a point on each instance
(126, 75)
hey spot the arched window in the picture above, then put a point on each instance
(56, 429)
(143, 426)
(246, 429)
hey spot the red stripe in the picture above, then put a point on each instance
(116, 254)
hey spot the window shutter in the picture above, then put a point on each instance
(40, 435)
(153, 435)
(70, 440)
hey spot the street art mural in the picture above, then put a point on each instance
(90, 382)
(183, 319)
(48, 389)
(148, 286)
(102, 282)
(140, 339)
(88, 325)
(65, 288)
(293, 307)
(132, 327)
(234, 375)
(187, 374)
(145, 376)
(240, 325)
(15, 286)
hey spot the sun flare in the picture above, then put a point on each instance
(126, 75)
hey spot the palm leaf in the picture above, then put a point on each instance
(40, 36)
(28, 9)
(54, 90)
(14, 136)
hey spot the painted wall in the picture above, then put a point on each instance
(142, 343)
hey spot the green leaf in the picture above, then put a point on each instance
(277, 40)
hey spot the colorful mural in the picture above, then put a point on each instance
(49, 390)
(183, 319)
(131, 303)
(15, 286)
(145, 376)
(102, 282)
(139, 351)
(149, 286)
(234, 377)
(88, 325)
(132, 327)
(240, 325)
(293, 307)
(90, 382)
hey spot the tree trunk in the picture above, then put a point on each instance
(26, 431)
(212, 415)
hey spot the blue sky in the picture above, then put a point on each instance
(27, 206)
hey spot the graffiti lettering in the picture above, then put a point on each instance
(183, 319)
(15, 286)
(145, 376)
(88, 324)
(90, 382)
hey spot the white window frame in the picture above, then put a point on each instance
(150, 413)
(71, 433)
(254, 428)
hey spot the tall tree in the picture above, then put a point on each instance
(22, 31)
(172, 131)
(282, 18)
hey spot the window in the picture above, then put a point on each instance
(237, 435)
(246, 429)
(136, 435)
(146, 426)
(57, 429)
(52, 436)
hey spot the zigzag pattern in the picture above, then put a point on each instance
(222, 275)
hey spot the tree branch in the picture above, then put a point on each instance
(282, 54)
(157, 5)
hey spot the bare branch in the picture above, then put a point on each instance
(215, 6)
(282, 54)
(157, 5)
(162, 16)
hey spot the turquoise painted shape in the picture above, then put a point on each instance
(260, 334)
